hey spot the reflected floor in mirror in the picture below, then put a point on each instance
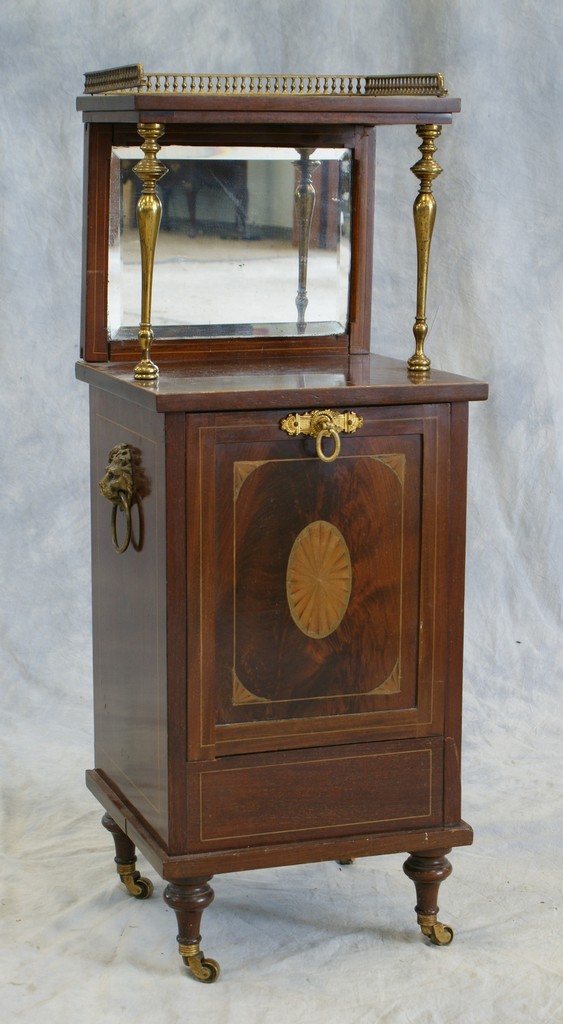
(192, 274)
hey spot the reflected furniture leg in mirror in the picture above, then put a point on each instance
(304, 205)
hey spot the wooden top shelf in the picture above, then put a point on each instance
(269, 384)
(130, 94)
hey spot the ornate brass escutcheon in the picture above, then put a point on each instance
(321, 424)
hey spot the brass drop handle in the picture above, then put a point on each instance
(125, 506)
(321, 424)
(328, 432)
(118, 487)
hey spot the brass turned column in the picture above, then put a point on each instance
(149, 214)
(426, 169)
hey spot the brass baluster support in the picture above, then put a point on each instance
(426, 169)
(305, 196)
(149, 213)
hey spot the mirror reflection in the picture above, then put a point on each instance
(253, 241)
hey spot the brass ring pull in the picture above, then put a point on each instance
(118, 487)
(125, 506)
(321, 423)
(328, 432)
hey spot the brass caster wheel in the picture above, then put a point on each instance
(202, 968)
(345, 861)
(441, 934)
(145, 887)
(438, 933)
(140, 888)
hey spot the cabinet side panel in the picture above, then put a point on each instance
(129, 611)
(456, 597)
(94, 341)
(362, 241)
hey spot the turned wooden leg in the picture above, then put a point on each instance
(188, 898)
(125, 860)
(428, 871)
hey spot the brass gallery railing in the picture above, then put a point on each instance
(133, 78)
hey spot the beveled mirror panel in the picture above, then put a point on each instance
(253, 242)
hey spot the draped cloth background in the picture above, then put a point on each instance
(317, 942)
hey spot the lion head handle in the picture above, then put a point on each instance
(117, 484)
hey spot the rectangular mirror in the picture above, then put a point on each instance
(254, 242)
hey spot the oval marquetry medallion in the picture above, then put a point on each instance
(319, 579)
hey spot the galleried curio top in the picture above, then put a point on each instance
(233, 213)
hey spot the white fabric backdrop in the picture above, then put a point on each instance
(317, 943)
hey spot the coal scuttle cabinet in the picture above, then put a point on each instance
(278, 515)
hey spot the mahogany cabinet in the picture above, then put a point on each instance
(278, 574)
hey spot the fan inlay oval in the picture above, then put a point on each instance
(319, 579)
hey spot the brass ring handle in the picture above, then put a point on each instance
(118, 487)
(328, 432)
(125, 506)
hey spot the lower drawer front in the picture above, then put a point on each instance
(242, 801)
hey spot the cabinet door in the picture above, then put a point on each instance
(316, 590)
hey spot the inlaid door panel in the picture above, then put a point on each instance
(317, 581)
